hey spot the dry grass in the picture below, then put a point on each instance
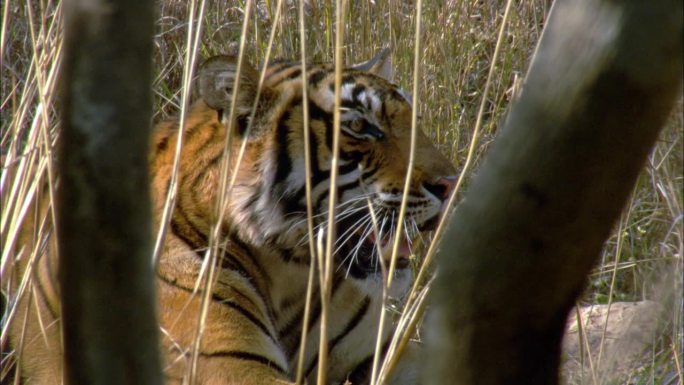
(641, 260)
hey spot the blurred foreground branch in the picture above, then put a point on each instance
(532, 225)
(104, 223)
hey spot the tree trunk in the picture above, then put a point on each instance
(532, 225)
(104, 213)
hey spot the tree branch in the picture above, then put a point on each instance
(525, 237)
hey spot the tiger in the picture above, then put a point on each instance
(255, 314)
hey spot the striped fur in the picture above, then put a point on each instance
(254, 320)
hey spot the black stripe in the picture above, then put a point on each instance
(368, 173)
(354, 156)
(315, 314)
(278, 66)
(291, 204)
(257, 284)
(247, 356)
(249, 254)
(254, 198)
(358, 89)
(383, 114)
(180, 218)
(167, 187)
(372, 130)
(324, 175)
(242, 125)
(297, 319)
(337, 278)
(173, 133)
(346, 187)
(178, 232)
(211, 161)
(180, 214)
(295, 74)
(288, 256)
(349, 78)
(317, 113)
(353, 104)
(358, 316)
(228, 303)
(162, 144)
(359, 270)
(191, 130)
(284, 167)
(247, 298)
(287, 302)
(343, 170)
(317, 175)
(246, 313)
(362, 371)
(336, 284)
(170, 126)
(313, 153)
(291, 325)
(300, 195)
(349, 167)
(228, 261)
(316, 76)
(312, 364)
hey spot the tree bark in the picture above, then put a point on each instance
(522, 242)
(103, 204)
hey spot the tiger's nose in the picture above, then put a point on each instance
(441, 187)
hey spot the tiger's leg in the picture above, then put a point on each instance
(239, 343)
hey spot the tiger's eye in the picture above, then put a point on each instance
(357, 125)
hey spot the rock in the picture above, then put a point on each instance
(630, 329)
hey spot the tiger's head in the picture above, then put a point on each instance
(268, 202)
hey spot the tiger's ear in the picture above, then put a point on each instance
(216, 80)
(379, 65)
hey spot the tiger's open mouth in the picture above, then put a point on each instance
(386, 247)
(363, 252)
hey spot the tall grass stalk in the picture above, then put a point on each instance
(326, 267)
(299, 376)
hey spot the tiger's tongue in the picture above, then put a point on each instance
(387, 243)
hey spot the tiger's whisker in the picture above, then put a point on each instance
(342, 239)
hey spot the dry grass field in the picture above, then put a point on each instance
(642, 260)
